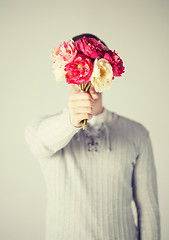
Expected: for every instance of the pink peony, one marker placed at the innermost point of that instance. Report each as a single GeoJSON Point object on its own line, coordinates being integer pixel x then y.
{"type": "Point", "coordinates": [64, 53]}
{"type": "Point", "coordinates": [79, 70]}
{"type": "Point", "coordinates": [115, 61]}
{"type": "Point", "coordinates": [91, 47]}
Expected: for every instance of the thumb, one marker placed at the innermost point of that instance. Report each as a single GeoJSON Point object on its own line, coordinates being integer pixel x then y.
{"type": "Point", "coordinates": [93, 93]}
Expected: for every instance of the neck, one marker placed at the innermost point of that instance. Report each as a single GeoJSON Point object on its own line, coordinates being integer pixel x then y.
{"type": "Point", "coordinates": [97, 106]}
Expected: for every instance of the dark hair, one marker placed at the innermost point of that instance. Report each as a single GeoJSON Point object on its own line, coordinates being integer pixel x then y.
{"type": "Point", "coordinates": [75, 38]}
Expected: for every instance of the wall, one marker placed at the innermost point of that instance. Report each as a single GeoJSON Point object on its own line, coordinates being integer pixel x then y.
{"type": "Point", "coordinates": [29, 30]}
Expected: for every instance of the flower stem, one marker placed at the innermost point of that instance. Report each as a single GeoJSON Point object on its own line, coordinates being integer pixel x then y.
{"type": "Point", "coordinates": [84, 124]}
{"type": "Point", "coordinates": [85, 87]}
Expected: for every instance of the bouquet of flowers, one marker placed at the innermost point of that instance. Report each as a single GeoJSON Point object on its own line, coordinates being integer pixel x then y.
{"type": "Point", "coordinates": [84, 62]}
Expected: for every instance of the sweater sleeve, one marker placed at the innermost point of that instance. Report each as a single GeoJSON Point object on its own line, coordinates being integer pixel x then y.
{"type": "Point", "coordinates": [47, 134]}
{"type": "Point", "coordinates": [146, 192]}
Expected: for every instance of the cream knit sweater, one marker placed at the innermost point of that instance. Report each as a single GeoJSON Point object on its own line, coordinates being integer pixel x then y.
{"type": "Point", "coordinates": [93, 177]}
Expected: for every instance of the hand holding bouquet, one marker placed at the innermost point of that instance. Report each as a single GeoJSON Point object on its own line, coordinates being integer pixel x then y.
{"type": "Point", "coordinates": [85, 62]}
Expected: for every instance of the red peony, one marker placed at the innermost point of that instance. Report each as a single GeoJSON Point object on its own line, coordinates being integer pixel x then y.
{"type": "Point", "coordinates": [91, 47]}
{"type": "Point", "coordinates": [115, 61]}
{"type": "Point", "coordinates": [79, 70]}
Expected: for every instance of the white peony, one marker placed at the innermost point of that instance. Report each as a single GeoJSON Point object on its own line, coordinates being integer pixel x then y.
{"type": "Point", "coordinates": [102, 75]}
{"type": "Point", "coordinates": [59, 72]}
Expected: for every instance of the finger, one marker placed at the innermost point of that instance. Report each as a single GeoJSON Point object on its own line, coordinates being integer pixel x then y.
{"type": "Point", "coordinates": [82, 116]}
{"type": "Point", "coordinates": [81, 103]}
{"type": "Point", "coordinates": [82, 110]}
{"type": "Point", "coordinates": [81, 96]}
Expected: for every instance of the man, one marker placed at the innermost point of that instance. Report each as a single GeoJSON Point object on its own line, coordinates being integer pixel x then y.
{"type": "Point", "coordinates": [93, 176]}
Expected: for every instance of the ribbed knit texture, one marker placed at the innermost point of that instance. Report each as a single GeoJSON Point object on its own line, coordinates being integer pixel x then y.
{"type": "Point", "coordinates": [93, 177]}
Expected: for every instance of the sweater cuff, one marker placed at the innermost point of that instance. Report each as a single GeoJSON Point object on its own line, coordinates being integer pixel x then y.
{"type": "Point", "coordinates": [69, 127]}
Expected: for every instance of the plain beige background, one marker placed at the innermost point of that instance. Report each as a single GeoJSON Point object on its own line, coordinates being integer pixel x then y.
{"type": "Point", "coordinates": [137, 30]}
